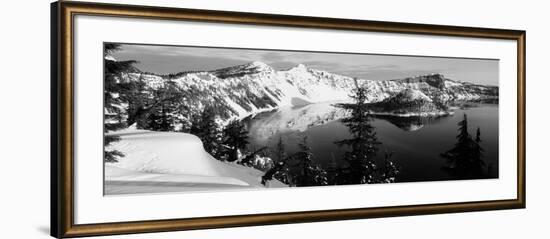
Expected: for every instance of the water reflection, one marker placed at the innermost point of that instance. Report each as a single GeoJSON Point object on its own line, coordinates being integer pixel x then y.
{"type": "Point", "coordinates": [411, 123]}
{"type": "Point", "coordinates": [416, 142]}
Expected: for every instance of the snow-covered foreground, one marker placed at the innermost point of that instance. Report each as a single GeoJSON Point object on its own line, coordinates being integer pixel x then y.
{"type": "Point", "coordinates": [157, 162]}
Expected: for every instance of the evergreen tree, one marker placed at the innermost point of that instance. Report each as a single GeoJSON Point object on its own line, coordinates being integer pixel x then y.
{"type": "Point", "coordinates": [477, 157]}
{"type": "Point", "coordinates": [297, 170]}
{"type": "Point", "coordinates": [206, 128]}
{"type": "Point", "coordinates": [389, 171]}
{"type": "Point", "coordinates": [138, 102]}
{"type": "Point", "coordinates": [280, 150]}
{"type": "Point", "coordinates": [306, 172]}
{"type": "Point", "coordinates": [279, 170]}
{"type": "Point", "coordinates": [333, 171]}
{"type": "Point", "coordinates": [159, 119]}
{"type": "Point", "coordinates": [459, 156]}
{"type": "Point", "coordinates": [282, 174]}
{"type": "Point", "coordinates": [166, 119]}
{"type": "Point", "coordinates": [235, 138]}
{"type": "Point", "coordinates": [479, 151]}
{"type": "Point", "coordinates": [161, 114]}
{"type": "Point", "coordinates": [111, 156]}
{"type": "Point", "coordinates": [158, 109]}
{"type": "Point", "coordinates": [465, 158]}
{"type": "Point", "coordinates": [361, 158]}
{"type": "Point", "coordinates": [363, 144]}
{"type": "Point", "coordinates": [115, 95]}
{"type": "Point", "coordinates": [185, 119]}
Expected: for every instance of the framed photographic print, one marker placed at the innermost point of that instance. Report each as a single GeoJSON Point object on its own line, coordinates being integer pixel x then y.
{"type": "Point", "coordinates": [170, 119]}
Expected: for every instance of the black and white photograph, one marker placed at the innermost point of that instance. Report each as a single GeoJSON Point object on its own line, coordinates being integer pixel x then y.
{"type": "Point", "coordinates": [275, 119]}
{"type": "Point", "coordinates": [200, 118]}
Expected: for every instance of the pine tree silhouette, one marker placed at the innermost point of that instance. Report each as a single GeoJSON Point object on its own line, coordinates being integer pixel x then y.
{"type": "Point", "coordinates": [206, 128]}
{"type": "Point", "coordinates": [280, 150]}
{"type": "Point", "coordinates": [138, 103]}
{"type": "Point", "coordinates": [362, 167]}
{"type": "Point", "coordinates": [465, 158]}
{"type": "Point", "coordinates": [298, 169]}
{"type": "Point", "coordinates": [477, 157]}
{"type": "Point", "coordinates": [115, 95]}
{"type": "Point", "coordinates": [306, 172]}
{"type": "Point", "coordinates": [235, 138]}
{"type": "Point", "coordinates": [279, 170]}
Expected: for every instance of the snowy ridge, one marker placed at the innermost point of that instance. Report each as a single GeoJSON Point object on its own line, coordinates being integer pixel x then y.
{"type": "Point", "coordinates": [243, 90]}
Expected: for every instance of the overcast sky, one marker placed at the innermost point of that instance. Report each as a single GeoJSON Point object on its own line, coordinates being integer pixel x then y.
{"type": "Point", "coordinates": [173, 59]}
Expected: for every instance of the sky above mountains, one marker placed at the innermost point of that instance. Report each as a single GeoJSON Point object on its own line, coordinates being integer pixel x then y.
{"type": "Point", "coordinates": [173, 59]}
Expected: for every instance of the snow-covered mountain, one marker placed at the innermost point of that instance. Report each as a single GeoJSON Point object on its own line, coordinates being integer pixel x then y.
{"type": "Point", "coordinates": [243, 90]}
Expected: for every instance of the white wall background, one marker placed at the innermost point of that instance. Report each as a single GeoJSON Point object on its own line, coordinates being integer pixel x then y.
{"type": "Point", "coordinates": [24, 97]}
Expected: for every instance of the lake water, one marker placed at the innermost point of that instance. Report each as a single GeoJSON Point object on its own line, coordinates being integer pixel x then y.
{"type": "Point", "coordinates": [416, 142]}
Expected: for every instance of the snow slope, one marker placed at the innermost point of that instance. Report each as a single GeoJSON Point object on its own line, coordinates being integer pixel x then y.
{"type": "Point", "coordinates": [171, 162]}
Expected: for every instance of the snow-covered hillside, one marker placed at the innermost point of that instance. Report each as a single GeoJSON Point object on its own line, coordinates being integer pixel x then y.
{"type": "Point", "coordinates": [239, 91]}
{"type": "Point", "coordinates": [171, 162]}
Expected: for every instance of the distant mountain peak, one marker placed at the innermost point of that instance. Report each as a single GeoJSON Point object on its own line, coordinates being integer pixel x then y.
{"type": "Point", "coordinates": [259, 65]}
{"type": "Point", "coordinates": [301, 66]}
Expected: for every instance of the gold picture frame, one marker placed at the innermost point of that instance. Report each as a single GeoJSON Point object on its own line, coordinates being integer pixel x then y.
{"type": "Point", "coordinates": [62, 128]}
